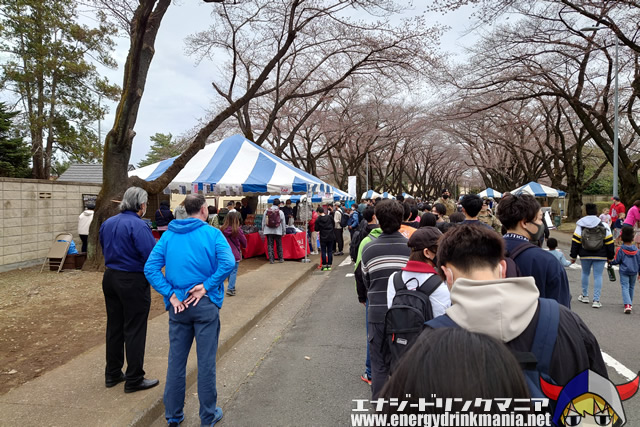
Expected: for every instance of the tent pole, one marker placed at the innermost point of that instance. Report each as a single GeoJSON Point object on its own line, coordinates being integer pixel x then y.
{"type": "Point", "coordinates": [306, 226]}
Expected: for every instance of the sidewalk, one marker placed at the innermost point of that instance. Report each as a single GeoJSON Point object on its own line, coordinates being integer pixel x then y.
{"type": "Point", "coordinates": [74, 394]}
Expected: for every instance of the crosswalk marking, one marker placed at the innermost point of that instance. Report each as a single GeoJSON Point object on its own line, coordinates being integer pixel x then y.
{"type": "Point", "coordinates": [618, 367]}
{"type": "Point", "coordinates": [346, 261]}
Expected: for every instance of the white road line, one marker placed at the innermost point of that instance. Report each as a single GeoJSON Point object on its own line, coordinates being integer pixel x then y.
{"type": "Point", "coordinates": [349, 275]}
{"type": "Point", "coordinates": [346, 261]}
{"type": "Point", "coordinates": [618, 367]}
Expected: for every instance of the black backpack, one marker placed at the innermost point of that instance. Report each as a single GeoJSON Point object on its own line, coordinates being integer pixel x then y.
{"type": "Point", "coordinates": [344, 219]}
{"type": "Point", "coordinates": [512, 267]}
{"type": "Point", "coordinates": [405, 319]}
{"type": "Point", "coordinates": [593, 238]}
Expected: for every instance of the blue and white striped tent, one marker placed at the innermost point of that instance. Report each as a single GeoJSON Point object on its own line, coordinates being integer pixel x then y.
{"type": "Point", "coordinates": [407, 196]}
{"type": "Point", "coordinates": [538, 190]}
{"type": "Point", "coordinates": [339, 195]}
{"type": "Point", "coordinates": [295, 198]}
{"type": "Point", "coordinates": [386, 195]}
{"type": "Point", "coordinates": [490, 192]}
{"type": "Point", "coordinates": [237, 166]}
{"type": "Point", "coordinates": [370, 194]}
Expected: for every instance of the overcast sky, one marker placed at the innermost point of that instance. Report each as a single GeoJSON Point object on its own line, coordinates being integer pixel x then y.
{"type": "Point", "coordinates": [178, 92]}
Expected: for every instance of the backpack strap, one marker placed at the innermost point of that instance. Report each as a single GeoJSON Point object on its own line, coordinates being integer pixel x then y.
{"type": "Point", "coordinates": [443, 321]}
{"type": "Point", "coordinates": [546, 333]}
{"type": "Point", "coordinates": [398, 283]}
{"type": "Point", "coordinates": [519, 249]}
{"type": "Point", "coordinates": [430, 285]}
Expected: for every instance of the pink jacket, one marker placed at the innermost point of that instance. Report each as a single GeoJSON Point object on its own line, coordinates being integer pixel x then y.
{"type": "Point", "coordinates": [633, 216]}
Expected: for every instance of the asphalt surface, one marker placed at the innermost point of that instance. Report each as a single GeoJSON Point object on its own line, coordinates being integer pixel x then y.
{"type": "Point", "coordinates": [301, 366]}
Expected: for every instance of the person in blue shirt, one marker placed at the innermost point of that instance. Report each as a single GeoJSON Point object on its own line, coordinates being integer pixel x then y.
{"type": "Point", "coordinates": [552, 244]}
{"type": "Point", "coordinates": [353, 222]}
{"type": "Point", "coordinates": [521, 215]}
{"type": "Point", "coordinates": [197, 259]}
{"type": "Point", "coordinates": [126, 242]}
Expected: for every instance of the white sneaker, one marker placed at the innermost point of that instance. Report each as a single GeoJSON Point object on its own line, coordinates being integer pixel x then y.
{"type": "Point", "coordinates": [583, 299]}
{"type": "Point", "coordinates": [596, 304]}
{"type": "Point", "coordinates": [314, 253]}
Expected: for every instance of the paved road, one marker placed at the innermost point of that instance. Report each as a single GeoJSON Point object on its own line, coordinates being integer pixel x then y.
{"type": "Point", "coordinates": [301, 365]}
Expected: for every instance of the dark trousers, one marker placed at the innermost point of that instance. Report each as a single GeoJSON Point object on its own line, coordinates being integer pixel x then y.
{"type": "Point", "coordinates": [84, 239]}
{"type": "Point", "coordinates": [127, 296]}
{"type": "Point", "coordinates": [379, 359]}
{"type": "Point", "coordinates": [339, 245]}
{"type": "Point", "coordinates": [326, 249]}
{"type": "Point", "coordinates": [274, 239]}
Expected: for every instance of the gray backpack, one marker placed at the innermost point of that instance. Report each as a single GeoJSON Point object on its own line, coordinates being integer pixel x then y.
{"type": "Point", "coordinates": [593, 238]}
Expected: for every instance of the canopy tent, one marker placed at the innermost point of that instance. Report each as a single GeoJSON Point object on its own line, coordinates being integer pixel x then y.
{"type": "Point", "coordinates": [386, 195]}
{"type": "Point", "coordinates": [236, 166]}
{"type": "Point", "coordinates": [407, 196]}
{"type": "Point", "coordinates": [538, 190]}
{"type": "Point", "coordinates": [339, 195]}
{"type": "Point", "coordinates": [490, 192]}
{"type": "Point", "coordinates": [370, 194]}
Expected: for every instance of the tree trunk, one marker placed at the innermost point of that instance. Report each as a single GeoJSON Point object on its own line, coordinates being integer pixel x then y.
{"type": "Point", "coordinates": [118, 142]}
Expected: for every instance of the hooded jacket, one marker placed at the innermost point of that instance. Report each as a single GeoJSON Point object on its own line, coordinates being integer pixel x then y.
{"type": "Point", "coordinates": [507, 309]}
{"type": "Point", "coordinates": [324, 227]}
{"type": "Point", "coordinates": [628, 257]}
{"type": "Point", "coordinates": [84, 221]}
{"type": "Point", "coordinates": [236, 243]}
{"type": "Point", "coordinates": [604, 253]}
{"type": "Point", "coordinates": [193, 253]}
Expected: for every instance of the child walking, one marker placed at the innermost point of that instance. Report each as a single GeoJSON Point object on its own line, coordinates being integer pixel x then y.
{"type": "Point", "coordinates": [232, 231]}
{"type": "Point", "coordinates": [605, 217]}
{"type": "Point", "coordinates": [628, 257]}
{"type": "Point", "coordinates": [552, 244]}
{"type": "Point", "coordinates": [617, 227]}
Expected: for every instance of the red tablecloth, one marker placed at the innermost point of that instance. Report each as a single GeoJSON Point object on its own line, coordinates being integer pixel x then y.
{"type": "Point", "coordinates": [293, 246]}
{"type": "Point", "coordinates": [255, 246]}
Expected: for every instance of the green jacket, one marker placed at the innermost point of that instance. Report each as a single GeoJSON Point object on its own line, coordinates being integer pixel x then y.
{"type": "Point", "coordinates": [361, 289]}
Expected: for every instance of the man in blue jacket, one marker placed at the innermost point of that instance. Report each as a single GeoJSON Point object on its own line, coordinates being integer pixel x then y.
{"type": "Point", "coordinates": [197, 259]}
{"type": "Point", "coordinates": [522, 217]}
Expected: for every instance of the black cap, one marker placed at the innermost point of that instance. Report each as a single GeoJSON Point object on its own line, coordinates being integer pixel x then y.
{"type": "Point", "coordinates": [615, 198]}
{"type": "Point", "coordinates": [424, 238]}
{"type": "Point", "coordinates": [230, 203]}
{"type": "Point", "coordinates": [445, 190]}
{"type": "Point", "coordinates": [276, 202]}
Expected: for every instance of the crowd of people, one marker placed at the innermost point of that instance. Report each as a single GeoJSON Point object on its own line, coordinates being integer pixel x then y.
{"type": "Point", "coordinates": [475, 274]}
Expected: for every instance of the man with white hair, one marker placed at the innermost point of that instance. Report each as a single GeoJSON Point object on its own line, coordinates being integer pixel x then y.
{"type": "Point", "coordinates": [126, 243]}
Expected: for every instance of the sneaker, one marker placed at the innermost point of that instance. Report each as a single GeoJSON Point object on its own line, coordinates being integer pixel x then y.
{"type": "Point", "coordinates": [314, 253]}
{"type": "Point", "coordinates": [231, 292]}
{"type": "Point", "coordinates": [329, 268]}
{"type": "Point", "coordinates": [366, 378]}
{"type": "Point", "coordinates": [583, 299]}
{"type": "Point", "coordinates": [596, 304]}
{"type": "Point", "coordinates": [280, 260]}
{"type": "Point", "coordinates": [217, 416]}
{"type": "Point", "coordinates": [271, 261]}
{"type": "Point", "coordinates": [324, 268]}
{"type": "Point", "coordinates": [627, 309]}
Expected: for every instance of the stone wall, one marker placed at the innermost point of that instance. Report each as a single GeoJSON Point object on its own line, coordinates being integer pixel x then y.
{"type": "Point", "coordinates": [33, 212]}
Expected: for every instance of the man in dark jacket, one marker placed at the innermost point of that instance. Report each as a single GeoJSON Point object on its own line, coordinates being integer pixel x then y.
{"type": "Point", "coordinates": [592, 257]}
{"type": "Point", "coordinates": [522, 217]}
{"type": "Point", "coordinates": [381, 258]}
{"type": "Point", "coordinates": [508, 309]}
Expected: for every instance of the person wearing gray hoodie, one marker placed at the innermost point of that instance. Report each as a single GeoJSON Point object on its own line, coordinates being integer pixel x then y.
{"type": "Point", "coordinates": [592, 257]}
{"type": "Point", "coordinates": [84, 222]}
{"type": "Point", "coordinates": [508, 309]}
{"type": "Point", "coordinates": [274, 229]}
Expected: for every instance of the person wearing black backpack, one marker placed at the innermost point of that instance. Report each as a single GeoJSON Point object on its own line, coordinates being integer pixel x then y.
{"type": "Point", "coordinates": [415, 295]}
{"type": "Point", "coordinates": [546, 337]}
{"type": "Point", "coordinates": [593, 242]}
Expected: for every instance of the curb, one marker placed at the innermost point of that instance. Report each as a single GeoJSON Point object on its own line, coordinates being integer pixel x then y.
{"type": "Point", "coordinates": [156, 410]}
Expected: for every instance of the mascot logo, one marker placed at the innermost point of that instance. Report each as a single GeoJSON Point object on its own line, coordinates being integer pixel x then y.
{"type": "Point", "coordinates": [589, 400]}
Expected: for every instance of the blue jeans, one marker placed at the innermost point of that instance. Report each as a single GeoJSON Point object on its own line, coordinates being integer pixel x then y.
{"type": "Point", "coordinates": [232, 277]}
{"type": "Point", "coordinates": [327, 253]}
{"type": "Point", "coordinates": [598, 268]}
{"type": "Point", "coordinates": [203, 323]}
{"type": "Point", "coordinates": [627, 282]}
{"type": "Point", "coordinates": [367, 364]}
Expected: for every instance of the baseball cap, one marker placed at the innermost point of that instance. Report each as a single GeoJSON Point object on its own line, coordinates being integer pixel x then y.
{"type": "Point", "coordinates": [424, 238]}
{"type": "Point", "coordinates": [615, 198]}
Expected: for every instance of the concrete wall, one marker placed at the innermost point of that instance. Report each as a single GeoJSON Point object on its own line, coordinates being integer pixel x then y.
{"type": "Point", "coordinates": [33, 212]}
